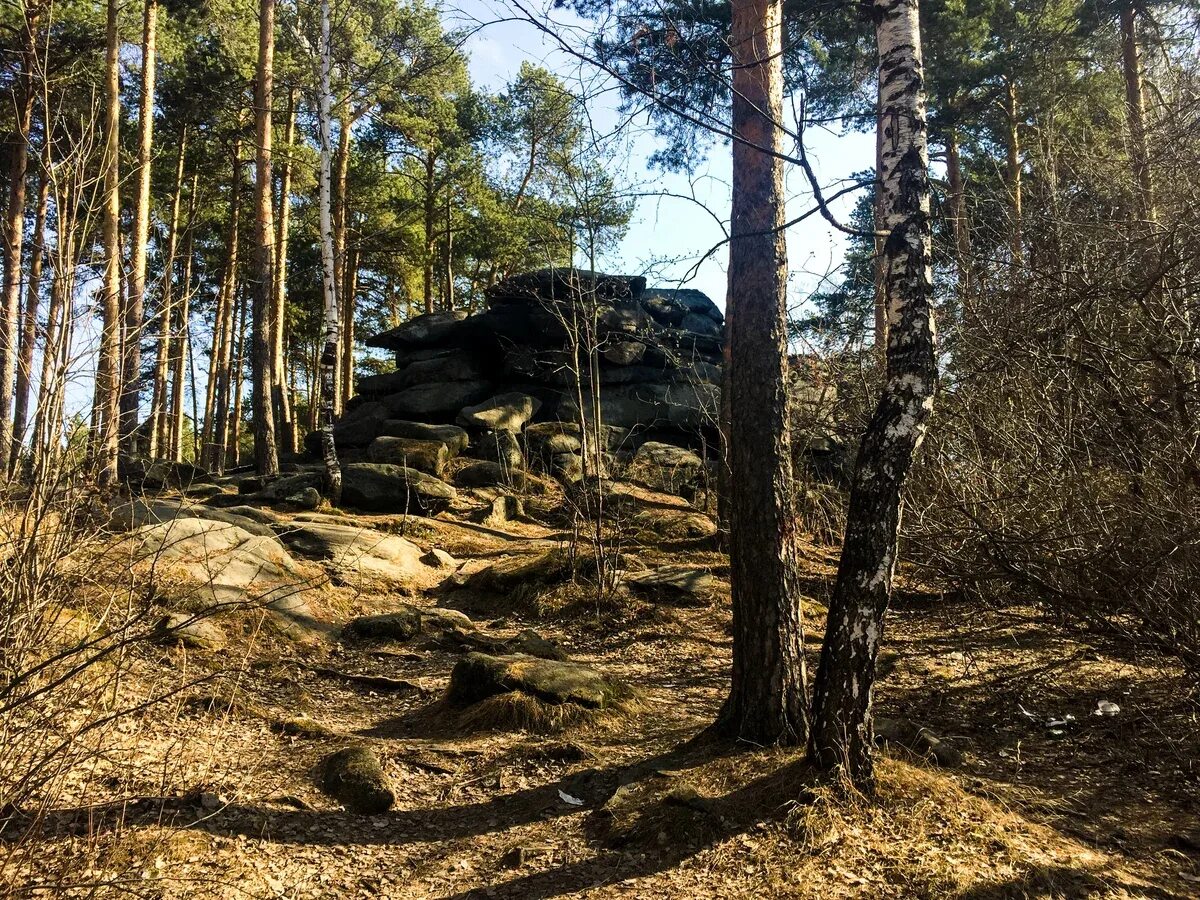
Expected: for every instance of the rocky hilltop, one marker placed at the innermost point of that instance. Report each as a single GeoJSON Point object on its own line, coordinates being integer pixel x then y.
{"type": "Point", "coordinates": [507, 385]}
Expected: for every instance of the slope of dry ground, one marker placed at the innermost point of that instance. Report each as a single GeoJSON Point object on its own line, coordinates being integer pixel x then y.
{"type": "Point", "coordinates": [213, 792]}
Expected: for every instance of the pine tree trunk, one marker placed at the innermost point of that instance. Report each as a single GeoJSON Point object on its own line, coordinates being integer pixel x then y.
{"type": "Point", "coordinates": [285, 417]}
{"type": "Point", "coordinates": [262, 357]}
{"type": "Point", "coordinates": [216, 406]}
{"type": "Point", "coordinates": [135, 301]}
{"type": "Point", "coordinates": [349, 288]}
{"type": "Point", "coordinates": [1013, 168]}
{"type": "Point", "coordinates": [430, 229]}
{"type": "Point", "coordinates": [958, 211]}
{"type": "Point", "coordinates": [237, 377]}
{"type": "Point", "coordinates": [14, 227]}
{"type": "Point", "coordinates": [29, 316]}
{"type": "Point", "coordinates": [104, 435]}
{"type": "Point", "coordinates": [842, 729]}
{"type": "Point", "coordinates": [1135, 107]}
{"type": "Point", "coordinates": [56, 348]}
{"type": "Point", "coordinates": [159, 418]}
{"type": "Point", "coordinates": [766, 703]}
{"type": "Point", "coordinates": [328, 358]}
{"type": "Point", "coordinates": [181, 345]}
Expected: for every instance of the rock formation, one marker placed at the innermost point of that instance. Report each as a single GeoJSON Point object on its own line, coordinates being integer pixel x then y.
{"type": "Point", "coordinates": [509, 385]}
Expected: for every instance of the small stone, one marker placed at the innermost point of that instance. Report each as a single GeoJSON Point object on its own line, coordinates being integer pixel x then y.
{"type": "Point", "coordinates": [439, 559]}
{"type": "Point", "coordinates": [504, 412]}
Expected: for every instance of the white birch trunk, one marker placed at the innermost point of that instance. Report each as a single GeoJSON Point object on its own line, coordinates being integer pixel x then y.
{"type": "Point", "coordinates": [332, 324]}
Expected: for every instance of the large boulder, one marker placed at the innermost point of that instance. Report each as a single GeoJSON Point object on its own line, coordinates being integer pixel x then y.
{"type": "Point", "coordinates": [382, 487]}
{"type": "Point", "coordinates": [452, 436]}
{"type": "Point", "coordinates": [505, 412]}
{"type": "Point", "coordinates": [222, 563]}
{"type": "Point", "coordinates": [665, 467]}
{"type": "Point", "coordinates": [421, 331]}
{"type": "Point", "coordinates": [355, 553]}
{"type": "Point", "coordinates": [483, 474]}
{"type": "Point", "coordinates": [501, 447]}
{"type": "Point", "coordinates": [357, 428]}
{"type": "Point", "coordinates": [424, 456]}
{"type": "Point", "coordinates": [440, 400]}
{"type": "Point", "coordinates": [545, 439]}
{"type": "Point", "coordinates": [478, 676]}
{"type": "Point", "coordinates": [447, 365]}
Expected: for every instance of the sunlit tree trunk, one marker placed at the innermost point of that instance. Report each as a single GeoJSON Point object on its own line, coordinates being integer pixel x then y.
{"type": "Point", "coordinates": [29, 315]}
{"type": "Point", "coordinates": [958, 212]}
{"type": "Point", "coordinates": [1013, 168]}
{"type": "Point", "coordinates": [349, 289]}
{"type": "Point", "coordinates": [285, 417]}
{"type": "Point", "coordinates": [842, 728]}
{"type": "Point", "coordinates": [766, 703]}
{"type": "Point", "coordinates": [159, 418]}
{"type": "Point", "coordinates": [104, 434]}
{"type": "Point", "coordinates": [181, 343]}
{"type": "Point", "coordinates": [135, 301]}
{"type": "Point", "coordinates": [1135, 107]}
{"type": "Point", "coordinates": [237, 378]}
{"type": "Point", "coordinates": [14, 224]}
{"type": "Point", "coordinates": [262, 342]}
{"type": "Point", "coordinates": [430, 229]}
{"type": "Point", "coordinates": [56, 346]}
{"type": "Point", "coordinates": [216, 406]}
{"type": "Point", "coordinates": [331, 325]}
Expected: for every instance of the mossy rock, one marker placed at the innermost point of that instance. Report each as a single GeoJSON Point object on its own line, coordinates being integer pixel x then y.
{"type": "Point", "coordinates": [354, 777]}
{"type": "Point", "coordinates": [478, 676]}
{"type": "Point", "coordinates": [406, 622]}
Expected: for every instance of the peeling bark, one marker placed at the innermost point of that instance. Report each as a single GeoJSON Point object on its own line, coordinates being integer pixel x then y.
{"type": "Point", "coordinates": [842, 728]}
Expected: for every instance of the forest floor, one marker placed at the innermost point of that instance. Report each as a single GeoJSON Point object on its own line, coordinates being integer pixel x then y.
{"type": "Point", "coordinates": [211, 797]}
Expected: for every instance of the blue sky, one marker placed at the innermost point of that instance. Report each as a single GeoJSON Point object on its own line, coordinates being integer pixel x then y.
{"type": "Point", "coordinates": [669, 236]}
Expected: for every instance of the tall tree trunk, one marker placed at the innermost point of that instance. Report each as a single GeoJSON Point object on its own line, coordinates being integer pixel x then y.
{"type": "Point", "coordinates": [341, 168]}
{"type": "Point", "coordinates": [958, 212]}
{"type": "Point", "coordinates": [766, 702]}
{"type": "Point", "coordinates": [56, 348]}
{"type": "Point", "coordinates": [135, 301]}
{"type": "Point", "coordinates": [216, 406]}
{"type": "Point", "coordinates": [349, 288]}
{"type": "Point", "coordinates": [1013, 167]}
{"type": "Point", "coordinates": [237, 377]}
{"type": "Point", "coordinates": [29, 316]}
{"type": "Point", "coordinates": [842, 728]}
{"type": "Point", "coordinates": [104, 436]}
{"type": "Point", "coordinates": [331, 326]}
{"type": "Point", "coordinates": [14, 226]}
{"type": "Point", "coordinates": [448, 260]}
{"type": "Point", "coordinates": [181, 344]}
{"type": "Point", "coordinates": [1135, 108]}
{"type": "Point", "coordinates": [159, 418]}
{"type": "Point", "coordinates": [430, 229]}
{"type": "Point", "coordinates": [285, 417]}
{"type": "Point", "coordinates": [262, 357]}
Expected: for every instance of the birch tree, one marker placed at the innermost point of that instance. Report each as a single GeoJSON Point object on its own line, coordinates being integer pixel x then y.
{"type": "Point", "coordinates": [331, 324]}
{"type": "Point", "coordinates": [842, 729]}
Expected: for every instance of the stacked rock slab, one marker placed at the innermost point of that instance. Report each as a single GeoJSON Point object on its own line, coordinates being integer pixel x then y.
{"type": "Point", "coordinates": [547, 343]}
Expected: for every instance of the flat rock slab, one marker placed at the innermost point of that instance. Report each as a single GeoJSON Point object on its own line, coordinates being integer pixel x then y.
{"type": "Point", "coordinates": [682, 582]}
{"type": "Point", "coordinates": [225, 563]}
{"type": "Point", "coordinates": [407, 622]}
{"type": "Point", "coordinates": [190, 631]}
{"type": "Point", "coordinates": [478, 676]}
{"type": "Point", "coordinates": [504, 412]}
{"type": "Point", "coordinates": [429, 457]}
{"type": "Point", "coordinates": [354, 553]}
{"type": "Point", "coordinates": [382, 487]}
{"type": "Point", "coordinates": [452, 436]}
